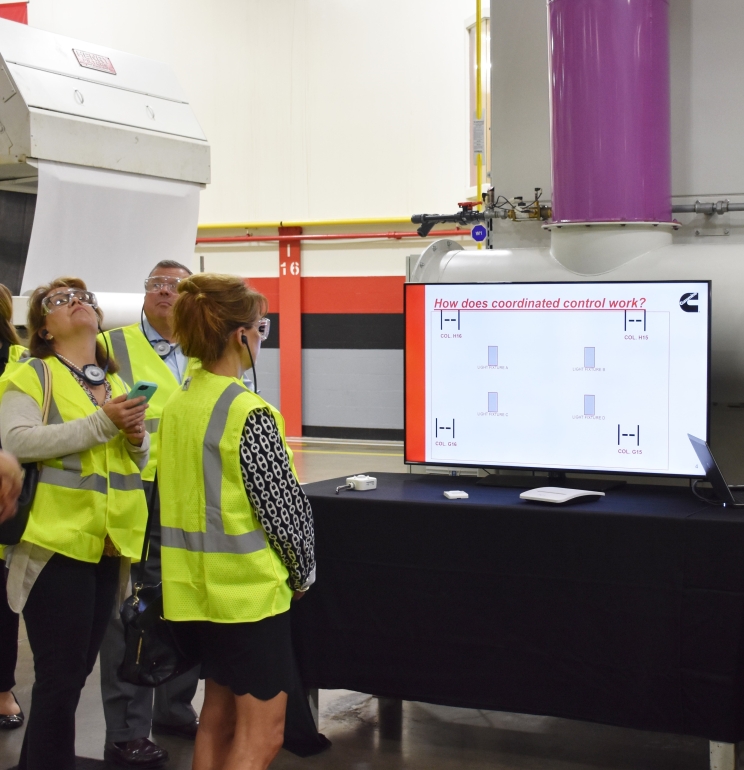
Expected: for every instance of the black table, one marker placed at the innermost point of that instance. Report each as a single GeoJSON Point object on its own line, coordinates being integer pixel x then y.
{"type": "Point", "coordinates": [627, 611]}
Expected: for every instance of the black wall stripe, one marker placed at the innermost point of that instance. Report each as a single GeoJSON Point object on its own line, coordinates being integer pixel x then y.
{"type": "Point", "coordinates": [353, 331]}
{"type": "Point", "coordinates": [273, 341]}
{"type": "Point", "coordinates": [16, 220]}
{"type": "Point", "coordinates": [371, 434]}
{"type": "Point", "coordinates": [345, 331]}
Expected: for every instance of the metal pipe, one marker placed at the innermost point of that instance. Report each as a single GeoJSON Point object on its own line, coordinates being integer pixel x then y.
{"type": "Point", "coordinates": [707, 207]}
{"type": "Point", "coordinates": [478, 99]}
{"type": "Point", "coordinates": [327, 237]}
{"type": "Point", "coordinates": [304, 223]}
{"type": "Point", "coordinates": [610, 113]}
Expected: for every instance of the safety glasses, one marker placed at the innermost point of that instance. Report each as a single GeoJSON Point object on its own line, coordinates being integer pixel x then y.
{"type": "Point", "coordinates": [263, 327]}
{"type": "Point", "coordinates": [56, 301]}
{"type": "Point", "coordinates": [160, 282]}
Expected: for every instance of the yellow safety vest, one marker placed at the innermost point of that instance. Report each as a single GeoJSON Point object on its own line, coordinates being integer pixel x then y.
{"type": "Point", "coordinates": [138, 361]}
{"type": "Point", "coordinates": [17, 352]}
{"type": "Point", "coordinates": [217, 562]}
{"type": "Point", "coordinates": [16, 356]}
{"type": "Point", "coordinates": [82, 497]}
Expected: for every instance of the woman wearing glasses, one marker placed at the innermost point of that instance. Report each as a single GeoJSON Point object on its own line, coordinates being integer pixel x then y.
{"type": "Point", "coordinates": [237, 529]}
{"type": "Point", "coordinates": [89, 511]}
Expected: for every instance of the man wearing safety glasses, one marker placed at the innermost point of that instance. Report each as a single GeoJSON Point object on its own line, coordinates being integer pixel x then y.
{"type": "Point", "coordinates": [147, 351]}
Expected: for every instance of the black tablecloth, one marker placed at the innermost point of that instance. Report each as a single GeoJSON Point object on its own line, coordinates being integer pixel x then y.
{"type": "Point", "coordinates": [627, 611]}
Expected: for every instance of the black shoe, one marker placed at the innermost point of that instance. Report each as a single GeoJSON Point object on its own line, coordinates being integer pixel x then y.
{"type": "Point", "coordinates": [141, 752]}
{"type": "Point", "coordinates": [180, 731]}
{"type": "Point", "coordinates": [12, 721]}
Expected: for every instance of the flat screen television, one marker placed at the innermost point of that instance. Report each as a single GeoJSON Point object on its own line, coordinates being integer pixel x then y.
{"type": "Point", "coordinates": [594, 377]}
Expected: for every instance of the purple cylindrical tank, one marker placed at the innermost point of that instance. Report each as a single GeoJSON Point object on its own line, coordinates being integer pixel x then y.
{"type": "Point", "coordinates": [610, 114]}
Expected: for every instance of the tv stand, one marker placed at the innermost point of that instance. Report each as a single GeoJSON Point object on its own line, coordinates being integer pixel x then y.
{"type": "Point", "coordinates": [552, 479]}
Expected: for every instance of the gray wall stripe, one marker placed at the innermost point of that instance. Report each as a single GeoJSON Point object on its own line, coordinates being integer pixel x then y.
{"type": "Point", "coordinates": [213, 542]}
{"type": "Point", "coordinates": [267, 369]}
{"type": "Point", "coordinates": [353, 388]}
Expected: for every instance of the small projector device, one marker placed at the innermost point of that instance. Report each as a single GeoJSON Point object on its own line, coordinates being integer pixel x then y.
{"type": "Point", "coordinates": [359, 483]}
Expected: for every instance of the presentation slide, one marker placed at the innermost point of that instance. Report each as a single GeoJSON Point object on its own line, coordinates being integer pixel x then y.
{"type": "Point", "coordinates": [606, 377]}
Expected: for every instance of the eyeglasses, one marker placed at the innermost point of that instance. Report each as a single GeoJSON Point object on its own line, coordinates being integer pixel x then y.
{"type": "Point", "coordinates": [160, 282]}
{"type": "Point", "coordinates": [263, 327]}
{"type": "Point", "coordinates": [56, 301]}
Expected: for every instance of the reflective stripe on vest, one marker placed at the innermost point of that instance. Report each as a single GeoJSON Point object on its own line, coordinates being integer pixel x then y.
{"type": "Point", "coordinates": [72, 479]}
{"type": "Point", "coordinates": [121, 354]}
{"type": "Point", "coordinates": [57, 477]}
{"type": "Point", "coordinates": [215, 540]}
{"type": "Point", "coordinates": [37, 365]}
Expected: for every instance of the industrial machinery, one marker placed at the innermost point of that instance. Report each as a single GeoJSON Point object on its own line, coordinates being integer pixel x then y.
{"type": "Point", "coordinates": [610, 213]}
{"type": "Point", "coordinates": [101, 164]}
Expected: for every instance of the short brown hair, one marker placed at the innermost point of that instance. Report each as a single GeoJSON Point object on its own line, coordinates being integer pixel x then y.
{"type": "Point", "coordinates": [209, 308]}
{"type": "Point", "coordinates": [42, 348]}
{"type": "Point", "coordinates": [8, 335]}
{"type": "Point", "coordinates": [170, 264]}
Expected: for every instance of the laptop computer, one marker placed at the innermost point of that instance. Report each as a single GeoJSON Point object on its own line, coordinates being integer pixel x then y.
{"type": "Point", "coordinates": [732, 497]}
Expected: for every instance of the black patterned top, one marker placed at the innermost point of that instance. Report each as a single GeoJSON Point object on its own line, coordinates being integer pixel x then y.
{"type": "Point", "coordinates": [277, 497]}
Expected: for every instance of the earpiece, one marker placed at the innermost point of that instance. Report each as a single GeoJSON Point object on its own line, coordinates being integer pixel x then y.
{"type": "Point", "coordinates": [162, 347]}
{"type": "Point", "coordinates": [244, 340]}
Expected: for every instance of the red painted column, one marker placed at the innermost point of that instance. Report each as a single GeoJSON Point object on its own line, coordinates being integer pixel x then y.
{"type": "Point", "coordinates": [290, 331]}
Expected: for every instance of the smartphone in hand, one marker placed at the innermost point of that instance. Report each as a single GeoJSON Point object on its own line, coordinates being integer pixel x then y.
{"type": "Point", "coordinates": [142, 388]}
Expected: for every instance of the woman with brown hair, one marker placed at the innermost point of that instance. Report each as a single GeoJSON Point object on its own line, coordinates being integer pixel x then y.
{"type": "Point", "coordinates": [11, 716]}
{"type": "Point", "coordinates": [11, 350]}
{"type": "Point", "coordinates": [237, 529]}
{"type": "Point", "coordinates": [88, 512]}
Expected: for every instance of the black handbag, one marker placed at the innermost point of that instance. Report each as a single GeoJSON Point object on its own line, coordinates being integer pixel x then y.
{"type": "Point", "coordinates": [11, 531]}
{"type": "Point", "coordinates": [154, 650]}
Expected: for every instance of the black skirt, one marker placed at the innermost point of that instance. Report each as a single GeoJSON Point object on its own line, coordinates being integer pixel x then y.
{"type": "Point", "coordinates": [253, 658]}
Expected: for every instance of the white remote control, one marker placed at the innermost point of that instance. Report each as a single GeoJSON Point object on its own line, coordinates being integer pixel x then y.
{"type": "Point", "coordinates": [456, 494]}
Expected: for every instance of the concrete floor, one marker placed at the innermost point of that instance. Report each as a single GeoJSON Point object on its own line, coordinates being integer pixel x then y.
{"type": "Point", "coordinates": [433, 737]}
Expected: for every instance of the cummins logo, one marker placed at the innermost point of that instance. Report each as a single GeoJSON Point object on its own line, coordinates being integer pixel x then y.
{"type": "Point", "coordinates": [688, 302]}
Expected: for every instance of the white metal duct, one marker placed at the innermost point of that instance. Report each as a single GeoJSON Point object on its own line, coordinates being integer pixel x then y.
{"type": "Point", "coordinates": [74, 102]}
{"type": "Point", "coordinates": [113, 151]}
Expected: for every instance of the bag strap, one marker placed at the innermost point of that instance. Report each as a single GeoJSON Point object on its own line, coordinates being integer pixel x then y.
{"type": "Point", "coordinates": [46, 387]}
{"type": "Point", "coordinates": [146, 542]}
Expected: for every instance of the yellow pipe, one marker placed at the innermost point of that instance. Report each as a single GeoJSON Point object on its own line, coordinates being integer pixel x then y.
{"type": "Point", "coordinates": [304, 223]}
{"type": "Point", "coordinates": [478, 99]}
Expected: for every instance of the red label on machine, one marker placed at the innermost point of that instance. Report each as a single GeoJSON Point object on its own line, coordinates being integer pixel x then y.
{"type": "Point", "coordinates": [94, 61]}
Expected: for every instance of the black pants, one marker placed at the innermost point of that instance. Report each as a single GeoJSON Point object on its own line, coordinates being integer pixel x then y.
{"type": "Point", "coordinates": [8, 638]}
{"type": "Point", "coordinates": [131, 710]}
{"type": "Point", "coordinates": [66, 616]}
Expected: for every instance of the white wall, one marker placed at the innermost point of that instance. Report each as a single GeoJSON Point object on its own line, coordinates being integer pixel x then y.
{"type": "Point", "coordinates": [315, 109]}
